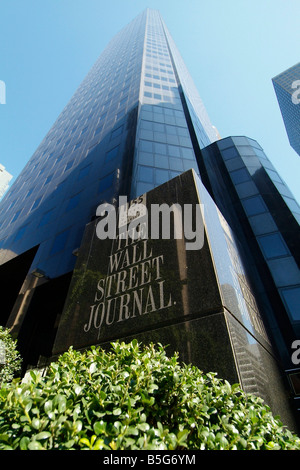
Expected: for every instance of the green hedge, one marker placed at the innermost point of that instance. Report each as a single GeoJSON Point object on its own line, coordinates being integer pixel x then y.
{"type": "Point", "coordinates": [134, 397]}
{"type": "Point", "coordinates": [10, 359]}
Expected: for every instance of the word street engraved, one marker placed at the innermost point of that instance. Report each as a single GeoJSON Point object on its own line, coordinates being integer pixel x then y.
{"type": "Point", "coordinates": [134, 284]}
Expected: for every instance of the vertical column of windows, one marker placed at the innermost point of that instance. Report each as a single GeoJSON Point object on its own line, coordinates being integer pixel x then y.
{"type": "Point", "coordinates": [163, 144]}
{"type": "Point", "coordinates": [241, 160]}
{"type": "Point", "coordinates": [96, 115]}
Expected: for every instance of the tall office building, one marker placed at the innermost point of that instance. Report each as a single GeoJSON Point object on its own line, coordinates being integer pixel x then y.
{"type": "Point", "coordinates": [287, 89]}
{"type": "Point", "coordinates": [5, 178]}
{"type": "Point", "coordinates": [134, 123]}
{"type": "Point", "coordinates": [123, 132]}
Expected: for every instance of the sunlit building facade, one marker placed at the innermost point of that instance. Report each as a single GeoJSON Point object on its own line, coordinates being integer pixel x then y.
{"type": "Point", "coordinates": [287, 89]}
{"type": "Point", "coordinates": [122, 133]}
{"type": "Point", "coordinates": [265, 215]}
{"type": "Point", "coordinates": [135, 122]}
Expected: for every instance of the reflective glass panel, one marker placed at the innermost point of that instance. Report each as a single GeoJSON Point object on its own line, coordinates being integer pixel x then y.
{"type": "Point", "coordinates": [272, 245]}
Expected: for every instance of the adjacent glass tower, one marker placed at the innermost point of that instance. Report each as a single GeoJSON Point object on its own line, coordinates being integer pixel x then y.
{"type": "Point", "coordinates": [287, 89]}
{"type": "Point", "coordinates": [135, 122]}
{"type": "Point", "coordinates": [265, 215]}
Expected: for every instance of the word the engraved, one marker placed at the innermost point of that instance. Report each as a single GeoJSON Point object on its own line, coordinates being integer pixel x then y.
{"type": "Point", "coordinates": [165, 221]}
{"type": "Point", "coordinates": [134, 285]}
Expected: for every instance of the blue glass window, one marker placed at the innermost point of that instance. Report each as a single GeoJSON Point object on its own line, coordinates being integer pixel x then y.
{"type": "Point", "coordinates": [292, 300]}
{"type": "Point", "coordinates": [16, 216]}
{"type": "Point", "coordinates": [123, 101]}
{"type": "Point", "coordinates": [146, 146]}
{"type": "Point", "coordinates": [246, 189]}
{"type": "Point", "coordinates": [176, 164]}
{"type": "Point", "coordinates": [12, 204]}
{"type": "Point", "coordinates": [240, 176]}
{"type": "Point", "coordinates": [46, 218]}
{"type": "Point", "coordinates": [292, 203]}
{"type": "Point", "coordinates": [158, 127]}
{"type": "Point", "coordinates": [112, 153]}
{"type": "Point", "coordinates": [69, 165]}
{"type": "Point", "coordinates": [106, 182]}
{"type": "Point", "coordinates": [240, 140]}
{"type": "Point", "coordinates": [160, 148]}
{"type": "Point", "coordinates": [146, 174]}
{"type": "Point", "coordinates": [272, 245]}
{"type": "Point", "coordinates": [254, 205]}
{"type": "Point", "coordinates": [117, 132]}
{"type": "Point", "coordinates": [148, 125]}
{"type": "Point", "coordinates": [84, 172]}
{"type": "Point", "coordinates": [48, 179]}
{"type": "Point", "coordinates": [174, 151]}
{"type": "Point", "coordinates": [73, 202]}
{"type": "Point", "coordinates": [60, 242]}
{"type": "Point", "coordinates": [161, 176]}
{"type": "Point", "coordinates": [171, 130]}
{"type": "Point", "coordinates": [187, 153]}
{"type": "Point", "coordinates": [36, 204]}
{"type": "Point", "coordinates": [161, 161]}
{"type": "Point", "coordinates": [60, 187]}
{"type": "Point", "coordinates": [174, 174]}
{"type": "Point", "coordinates": [20, 233]}
{"type": "Point", "coordinates": [77, 145]}
{"type": "Point", "coordinates": [98, 130]}
{"type": "Point", "coordinates": [29, 192]}
{"type": "Point", "coordinates": [120, 114]}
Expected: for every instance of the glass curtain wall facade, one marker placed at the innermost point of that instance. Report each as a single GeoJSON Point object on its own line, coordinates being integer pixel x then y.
{"type": "Point", "coordinates": [95, 150]}
{"type": "Point", "coordinates": [287, 89]}
{"type": "Point", "coordinates": [135, 122]}
{"type": "Point", "coordinates": [80, 162]}
{"type": "Point", "coordinates": [265, 215]}
{"type": "Point", "coordinates": [164, 147]}
{"type": "Point", "coordinates": [123, 132]}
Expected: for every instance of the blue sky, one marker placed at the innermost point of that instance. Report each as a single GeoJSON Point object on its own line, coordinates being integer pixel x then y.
{"type": "Point", "coordinates": [232, 49]}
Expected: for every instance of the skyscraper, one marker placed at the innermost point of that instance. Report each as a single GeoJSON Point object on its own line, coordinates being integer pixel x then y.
{"type": "Point", "coordinates": [123, 132]}
{"type": "Point", "coordinates": [287, 89]}
{"type": "Point", "coordinates": [134, 123]}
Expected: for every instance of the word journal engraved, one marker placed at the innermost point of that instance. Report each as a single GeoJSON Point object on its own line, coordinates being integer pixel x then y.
{"type": "Point", "coordinates": [134, 285]}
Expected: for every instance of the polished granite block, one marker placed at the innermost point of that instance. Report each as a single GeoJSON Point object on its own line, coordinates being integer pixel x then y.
{"type": "Point", "coordinates": [127, 285]}
{"type": "Point", "coordinates": [187, 289]}
{"type": "Point", "coordinates": [183, 266]}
